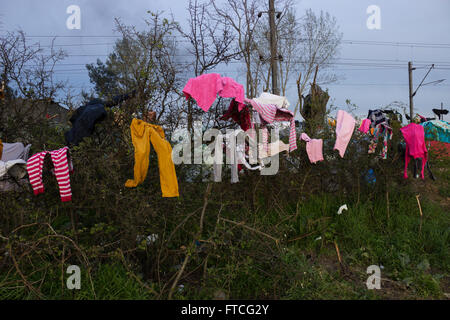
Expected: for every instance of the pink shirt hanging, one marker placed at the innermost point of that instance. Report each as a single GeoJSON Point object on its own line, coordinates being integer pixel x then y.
{"type": "Point", "coordinates": [414, 135]}
{"type": "Point", "coordinates": [205, 88]}
{"type": "Point", "coordinates": [345, 124]}
{"type": "Point", "coordinates": [313, 148]}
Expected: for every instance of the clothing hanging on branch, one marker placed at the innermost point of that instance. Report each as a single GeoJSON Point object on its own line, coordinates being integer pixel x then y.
{"type": "Point", "coordinates": [345, 124]}
{"type": "Point", "coordinates": [385, 131]}
{"type": "Point", "coordinates": [415, 146]}
{"type": "Point", "coordinates": [205, 88]}
{"type": "Point", "coordinates": [60, 161]}
{"type": "Point", "coordinates": [313, 148]}
{"type": "Point", "coordinates": [241, 117]}
{"type": "Point", "coordinates": [437, 130]}
{"type": "Point", "coordinates": [235, 154]}
{"type": "Point", "coordinates": [269, 98]}
{"type": "Point", "coordinates": [376, 117]}
{"type": "Point", "coordinates": [365, 126]}
{"type": "Point", "coordinates": [271, 113]}
{"type": "Point", "coordinates": [86, 117]}
{"type": "Point", "coordinates": [142, 134]}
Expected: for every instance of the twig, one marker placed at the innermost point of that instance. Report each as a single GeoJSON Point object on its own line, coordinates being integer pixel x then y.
{"type": "Point", "coordinates": [421, 213]}
{"type": "Point", "coordinates": [338, 254]}
{"type": "Point", "coordinates": [192, 246]}
{"type": "Point", "coordinates": [387, 204]}
{"type": "Point", "coordinates": [242, 224]}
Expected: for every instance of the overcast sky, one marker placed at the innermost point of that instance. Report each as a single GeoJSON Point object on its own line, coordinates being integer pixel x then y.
{"type": "Point", "coordinates": [424, 24]}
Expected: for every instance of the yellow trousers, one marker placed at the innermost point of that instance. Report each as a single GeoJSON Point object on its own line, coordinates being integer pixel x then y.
{"type": "Point", "coordinates": [142, 133]}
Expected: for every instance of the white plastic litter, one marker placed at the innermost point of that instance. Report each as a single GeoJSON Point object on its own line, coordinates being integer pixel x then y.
{"type": "Point", "coordinates": [342, 208]}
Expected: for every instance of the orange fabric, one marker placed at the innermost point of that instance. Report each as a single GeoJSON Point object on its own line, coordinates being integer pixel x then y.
{"type": "Point", "coordinates": [1, 149]}
{"type": "Point", "coordinates": [142, 133]}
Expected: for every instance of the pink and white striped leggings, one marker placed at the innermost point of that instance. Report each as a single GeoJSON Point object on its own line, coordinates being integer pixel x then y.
{"type": "Point", "coordinates": [59, 158]}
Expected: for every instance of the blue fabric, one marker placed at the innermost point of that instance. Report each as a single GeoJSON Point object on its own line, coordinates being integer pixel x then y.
{"type": "Point", "coordinates": [437, 130]}
{"type": "Point", "coordinates": [83, 122]}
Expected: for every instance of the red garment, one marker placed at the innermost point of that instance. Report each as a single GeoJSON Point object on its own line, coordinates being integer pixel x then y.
{"type": "Point", "coordinates": [414, 135]}
{"type": "Point", "coordinates": [240, 117]}
{"type": "Point", "coordinates": [205, 88]}
{"type": "Point", "coordinates": [59, 158]}
{"type": "Point", "coordinates": [441, 149]}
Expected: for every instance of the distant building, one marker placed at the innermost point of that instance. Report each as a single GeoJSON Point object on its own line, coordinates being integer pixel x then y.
{"type": "Point", "coordinates": [38, 109]}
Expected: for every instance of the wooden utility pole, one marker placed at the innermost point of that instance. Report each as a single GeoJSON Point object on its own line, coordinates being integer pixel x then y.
{"type": "Point", "coordinates": [273, 47]}
{"type": "Point", "coordinates": [411, 103]}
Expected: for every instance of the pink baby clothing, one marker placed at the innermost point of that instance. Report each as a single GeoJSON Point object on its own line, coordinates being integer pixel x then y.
{"type": "Point", "coordinates": [35, 165]}
{"type": "Point", "coordinates": [365, 126]}
{"type": "Point", "coordinates": [205, 88]}
{"type": "Point", "coordinates": [231, 89]}
{"type": "Point", "coordinates": [313, 148]}
{"type": "Point", "coordinates": [414, 135]}
{"type": "Point", "coordinates": [345, 124]}
{"type": "Point", "coordinates": [270, 113]}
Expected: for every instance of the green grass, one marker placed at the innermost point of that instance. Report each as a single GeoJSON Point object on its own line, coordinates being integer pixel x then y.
{"type": "Point", "coordinates": [415, 259]}
{"type": "Point", "coordinates": [247, 265]}
{"type": "Point", "coordinates": [109, 282]}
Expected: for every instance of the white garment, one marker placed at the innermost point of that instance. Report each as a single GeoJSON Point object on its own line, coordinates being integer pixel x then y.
{"type": "Point", "coordinates": [236, 158]}
{"type": "Point", "coordinates": [269, 98]}
{"type": "Point", "coordinates": [6, 166]}
{"type": "Point", "coordinates": [273, 148]}
{"type": "Point", "coordinates": [13, 151]}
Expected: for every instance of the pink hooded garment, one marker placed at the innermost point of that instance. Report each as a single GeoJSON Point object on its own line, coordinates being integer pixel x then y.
{"type": "Point", "coordinates": [414, 135]}
{"type": "Point", "coordinates": [205, 88]}
{"type": "Point", "coordinates": [345, 124]}
{"type": "Point", "coordinates": [313, 148]}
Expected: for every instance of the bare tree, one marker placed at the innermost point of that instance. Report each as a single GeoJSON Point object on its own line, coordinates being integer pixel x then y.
{"type": "Point", "coordinates": [27, 68]}
{"type": "Point", "coordinates": [210, 44]}
{"type": "Point", "coordinates": [243, 16]}
{"type": "Point", "coordinates": [27, 71]}
{"type": "Point", "coordinates": [319, 40]}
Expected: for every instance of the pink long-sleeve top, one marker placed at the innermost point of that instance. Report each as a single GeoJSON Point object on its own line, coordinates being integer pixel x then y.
{"type": "Point", "coordinates": [414, 135]}
{"type": "Point", "coordinates": [345, 124]}
{"type": "Point", "coordinates": [205, 88]}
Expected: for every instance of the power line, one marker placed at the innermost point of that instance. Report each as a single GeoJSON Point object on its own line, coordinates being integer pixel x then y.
{"type": "Point", "coordinates": [304, 39]}
{"type": "Point", "coordinates": [346, 41]}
